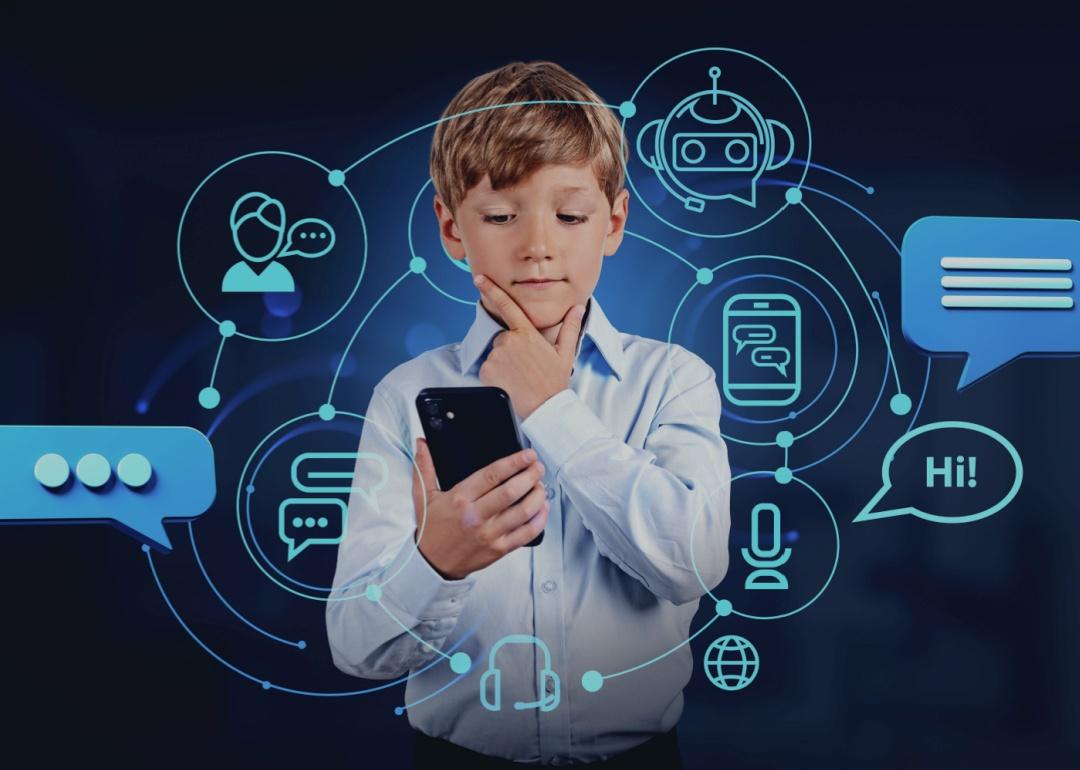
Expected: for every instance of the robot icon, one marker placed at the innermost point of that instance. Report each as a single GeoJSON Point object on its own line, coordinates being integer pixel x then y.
{"type": "Point", "coordinates": [713, 145]}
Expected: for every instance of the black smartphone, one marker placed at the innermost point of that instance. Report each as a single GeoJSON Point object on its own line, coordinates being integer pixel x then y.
{"type": "Point", "coordinates": [466, 429]}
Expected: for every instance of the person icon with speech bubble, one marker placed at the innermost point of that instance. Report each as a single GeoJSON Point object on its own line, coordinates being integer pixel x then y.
{"type": "Point", "coordinates": [257, 222]}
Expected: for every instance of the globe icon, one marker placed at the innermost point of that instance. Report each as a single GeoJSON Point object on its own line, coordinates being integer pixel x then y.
{"type": "Point", "coordinates": [731, 662]}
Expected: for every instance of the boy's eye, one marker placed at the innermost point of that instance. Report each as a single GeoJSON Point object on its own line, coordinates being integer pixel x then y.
{"type": "Point", "coordinates": [498, 219]}
{"type": "Point", "coordinates": [572, 218]}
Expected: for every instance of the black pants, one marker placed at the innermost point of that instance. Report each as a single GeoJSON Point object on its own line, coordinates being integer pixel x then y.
{"type": "Point", "coordinates": [660, 751]}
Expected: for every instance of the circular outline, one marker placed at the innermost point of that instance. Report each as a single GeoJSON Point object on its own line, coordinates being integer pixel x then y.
{"type": "Point", "coordinates": [812, 599]}
{"type": "Point", "coordinates": [851, 319]}
{"type": "Point", "coordinates": [180, 256]}
{"type": "Point", "coordinates": [832, 328]}
{"type": "Point", "coordinates": [623, 153]}
{"type": "Point", "coordinates": [240, 487]}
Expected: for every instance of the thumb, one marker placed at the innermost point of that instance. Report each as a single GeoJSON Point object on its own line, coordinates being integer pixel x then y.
{"type": "Point", "coordinates": [566, 342]}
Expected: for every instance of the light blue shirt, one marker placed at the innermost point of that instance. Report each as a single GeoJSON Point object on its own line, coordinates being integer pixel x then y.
{"type": "Point", "coordinates": [633, 453]}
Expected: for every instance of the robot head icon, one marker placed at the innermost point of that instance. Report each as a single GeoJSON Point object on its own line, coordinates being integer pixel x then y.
{"type": "Point", "coordinates": [548, 683]}
{"type": "Point", "coordinates": [713, 145]}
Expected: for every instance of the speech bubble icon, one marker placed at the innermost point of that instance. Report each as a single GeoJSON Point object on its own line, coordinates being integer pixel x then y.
{"type": "Point", "coordinates": [991, 289]}
{"type": "Point", "coordinates": [752, 334]}
{"type": "Point", "coordinates": [135, 478]}
{"type": "Point", "coordinates": [776, 357]}
{"type": "Point", "coordinates": [963, 470]}
{"type": "Point", "coordinates": [304, 521]}
{"type": "Point", "coordinates": [310, 238]}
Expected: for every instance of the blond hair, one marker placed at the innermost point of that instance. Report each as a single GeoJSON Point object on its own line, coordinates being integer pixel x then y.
{"type": "Point", "coordinates": [509, 143]}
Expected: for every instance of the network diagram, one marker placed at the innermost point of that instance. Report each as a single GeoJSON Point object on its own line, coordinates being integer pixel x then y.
{"type": "Point", "coordinates": [729, 158]}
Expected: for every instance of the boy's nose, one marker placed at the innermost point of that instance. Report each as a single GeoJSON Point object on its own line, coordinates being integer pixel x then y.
{"type": "Point", "coordinates": [538, 242]}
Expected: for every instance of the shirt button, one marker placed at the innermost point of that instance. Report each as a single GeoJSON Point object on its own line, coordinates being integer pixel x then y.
{"type": "Point", "coordinates": [548, 586]}
{"type": "Point", "coordinates": [549, 493]}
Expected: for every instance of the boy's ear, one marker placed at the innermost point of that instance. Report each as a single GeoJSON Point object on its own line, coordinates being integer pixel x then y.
{"type": "Point", "coordinates": [448, 230]}
{"type": "Point", "coordinates": [617, 224]}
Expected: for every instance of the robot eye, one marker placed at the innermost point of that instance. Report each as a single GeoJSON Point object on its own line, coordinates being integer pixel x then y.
{"type": "Point", "coordinates": [693, 151]}
{"type": "Point", "coordinates": [737, 151]}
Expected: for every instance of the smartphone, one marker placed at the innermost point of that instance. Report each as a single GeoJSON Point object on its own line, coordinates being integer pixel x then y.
{"type": "Point", "coordinates": [467, 429]}
{"type": "Point", "coordinates": [762, 349]}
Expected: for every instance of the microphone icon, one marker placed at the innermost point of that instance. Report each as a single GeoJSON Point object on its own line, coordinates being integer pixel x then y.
{"type": "Point", "coordinates": [765, 576]}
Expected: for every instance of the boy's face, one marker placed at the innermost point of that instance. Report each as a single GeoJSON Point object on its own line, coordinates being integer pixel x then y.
{"type": "Point", "coordinates": [555, 225]}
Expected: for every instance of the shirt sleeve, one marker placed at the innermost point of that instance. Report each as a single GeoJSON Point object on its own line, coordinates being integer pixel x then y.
{"type": "Point", "coordinates": [369, 630]}
{"type": "Point", "coordinates": [642, 504]}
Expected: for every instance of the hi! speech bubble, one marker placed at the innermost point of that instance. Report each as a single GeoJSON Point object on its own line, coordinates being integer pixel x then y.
{"type": "Point", "coordinates": [965, 470]}
{"type": "Point", "coordinates": [310, 238]}
{"type": "Point", "coordinates": [135, 478]}
{"type": "Point", "coordinates": [991, 289]}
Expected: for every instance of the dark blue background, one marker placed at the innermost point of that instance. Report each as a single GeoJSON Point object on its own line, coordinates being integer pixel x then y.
{"type": "Point", "coordinates": [934, 646]}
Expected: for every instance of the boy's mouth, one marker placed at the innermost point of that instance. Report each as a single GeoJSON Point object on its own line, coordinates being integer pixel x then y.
{"type": "Point", "coordinates": [538, 283]}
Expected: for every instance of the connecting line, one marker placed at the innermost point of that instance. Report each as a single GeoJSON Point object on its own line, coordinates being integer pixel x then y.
{"type": "Point", "coordinates": [858, 278]}
{"type": "Point", "coordinates": [662, 655]}
{"type": "Point", "coordinates": [445, 293]}
{"type": "Point", "coordinates": [267, 685]}
{"type": "Point", "coordinates": [418, 129]}
{"type": "Point", "coordinates": [834, 172]}
{"type": "Point", "coordinates": [195, 549]}
{"type": "Point", "coordinates": [926, 383]}
{"type": "Point", "coordinates": [217, 359]}
{"type": "Point", "coordinates": [664, 248]}
{"type": "Point", "coordinates": [410, 632]}
{"type": "Point", "coordinates": [337, 372]}
{"type": "Point", "coordinates": [888, 339]}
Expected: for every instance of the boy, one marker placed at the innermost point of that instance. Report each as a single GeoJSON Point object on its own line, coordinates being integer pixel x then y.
{"type": "Point", "coordinates": [623, 451]}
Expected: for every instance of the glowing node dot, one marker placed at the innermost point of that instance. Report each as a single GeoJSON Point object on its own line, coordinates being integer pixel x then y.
{"type": "Point", "coordinates": [418, 264]}
{"type": "Point", "coordinates": [145, 548]}
{"type": "Point", "coordinates": [900, 404]}
{"type": "Point", "coordinates": [783, 475]}
{"type": "Point", "coordinates": [251, 489]}
{"type": "Point", "coordinates": [793, 196]}
{"type": "Point", "coordinates": [792, 415]}
{"type": "Point", "coordinates": [592, 681]}
{"type": "Point", "coordinates": [628, 109]}
{"type": "Point", "coordinates": [373, 592]}
{"type": "Point", "coordinates": [784, 439]}
{"type": "Point", "coordinates": [209, 398]}
{"type": "Point", "coordinates": [875, 294]}
{"type": "Point", "coordinates": [869, 190]}
{"type": "Point", "coordinates": [336, 178]}
{"type": "Point", "coordinates": [301, 645]}
{"type": "Point", "coordinates": [266, 685]}
{"type": "Point", "coordinates": [327, 412]}
{"type": "Point", "coordinates": [723, 608]}
{"type": "Point", "coordinates": [704, 276]}
{"type": "Point", "coordinates": [460, 662]}
{"type": "Point", "coordinates": [398, 711]}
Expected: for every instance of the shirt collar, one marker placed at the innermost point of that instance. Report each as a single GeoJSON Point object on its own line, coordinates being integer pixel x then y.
{"type": "Point", "coordinates": [598, 330]}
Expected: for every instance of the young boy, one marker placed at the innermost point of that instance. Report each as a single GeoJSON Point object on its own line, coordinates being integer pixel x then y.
{"type": "Point", "coordinates": [623, 453]}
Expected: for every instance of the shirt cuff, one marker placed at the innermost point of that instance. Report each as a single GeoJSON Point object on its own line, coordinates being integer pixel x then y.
{"type": "Point", "coordinates": [416, 590]}
{"type": "Point", "coordinates": [560, 426]}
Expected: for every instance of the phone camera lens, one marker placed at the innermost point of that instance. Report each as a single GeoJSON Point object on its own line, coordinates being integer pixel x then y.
{"type": "Point", "coordinates": [432, 407]}
{"type": "Point", "coordinates": [436, 423]}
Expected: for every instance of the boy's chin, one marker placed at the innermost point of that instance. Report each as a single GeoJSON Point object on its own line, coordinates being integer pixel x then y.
{"type": "Point", "coordinates": [545, 314]}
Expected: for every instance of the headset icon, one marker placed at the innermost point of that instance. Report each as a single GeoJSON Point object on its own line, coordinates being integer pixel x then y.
{"type": "Point", "coordinates": [548, 700]}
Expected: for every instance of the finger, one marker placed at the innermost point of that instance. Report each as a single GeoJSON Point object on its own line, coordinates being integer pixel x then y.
{"type": "Point", "coordinates": [510, 491]}
{"type": "Point", "coordinates": [520, 512]}
{"type": "Point", "coordinates": [426, 467]}
{"type": "Point", "coordinates": [527, 532]}
{"type": "Point", "coordinates": [510, 311]}
{"type": "Point", "coordinates": [566, 342]}
{"type": "Point", "coordinates": [490, 476]}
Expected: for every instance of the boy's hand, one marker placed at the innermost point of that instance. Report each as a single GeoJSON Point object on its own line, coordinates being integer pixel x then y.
{"type": "Point", "coordinates": [521, 361]}
{"type": "Point", "coordinates": [496, 510]}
